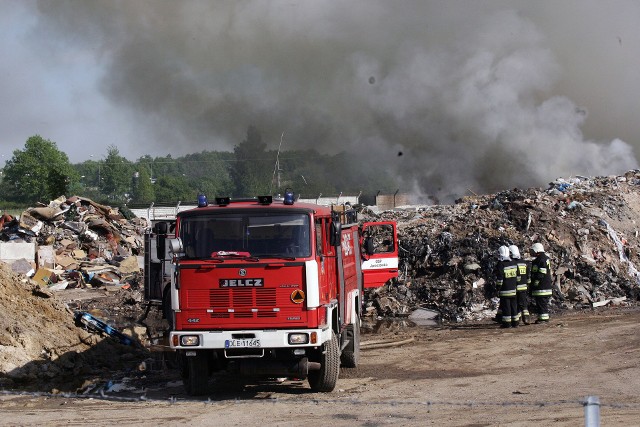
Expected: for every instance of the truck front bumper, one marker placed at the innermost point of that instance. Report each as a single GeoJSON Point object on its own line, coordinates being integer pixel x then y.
{"type": "Point", "coordinates": [248, 339]}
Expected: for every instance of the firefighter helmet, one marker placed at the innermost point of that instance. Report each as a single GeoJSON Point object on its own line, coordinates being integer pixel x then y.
{"type": "Point", "coordinates": [503, 253]}
{"type": "Point", "coordinates": [537, 248]}
{"type": "Point", "coordinates": [515, 252]}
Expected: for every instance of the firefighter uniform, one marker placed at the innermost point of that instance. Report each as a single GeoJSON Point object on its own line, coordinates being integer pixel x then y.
{"type": "Point", "coordinates": [524, 281]}
{"type": "Point", "coordinates": [524, 270]}
{"type": "Point", "coordinates": [541, 284]}
{"type": "Point", "coordinates": [506, 283]}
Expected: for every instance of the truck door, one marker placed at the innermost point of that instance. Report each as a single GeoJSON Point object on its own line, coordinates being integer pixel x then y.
{"type": "Point", "coordinates": [157, 265]}
{"type": "Point", "coordinates": [379, 253]}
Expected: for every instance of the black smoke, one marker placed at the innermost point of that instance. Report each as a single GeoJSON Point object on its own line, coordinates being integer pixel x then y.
{"type": "Point", "coordinates": [468, 92]}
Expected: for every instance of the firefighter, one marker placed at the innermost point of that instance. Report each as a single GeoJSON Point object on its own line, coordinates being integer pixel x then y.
{"type": "Point", "coordinates": [524, 279]}
{"type": "Point", "coordinates": [507, 280]}
{"type": "Point", "coordinates": [541, 281]}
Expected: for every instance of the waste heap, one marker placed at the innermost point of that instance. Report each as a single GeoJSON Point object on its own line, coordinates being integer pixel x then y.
{"type": "Point", "coordinates": [76, 243]}
{"type": "Point", "coordinates": [588, 227]}
{"type": "Point", "coordinates": [46, 251]}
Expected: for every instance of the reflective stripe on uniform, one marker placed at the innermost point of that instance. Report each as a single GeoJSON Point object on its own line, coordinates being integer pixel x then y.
{"type": "Point", "coordinates": [542, 293]}
{"type": "Point", "coordinates": [522, 287]}
{"type": "Point", "coordinates": [511, 293]}
{"type": "Point", "coordinates": [543, 316]}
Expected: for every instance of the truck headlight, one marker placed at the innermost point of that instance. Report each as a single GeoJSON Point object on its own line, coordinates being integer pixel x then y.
{"type": "Point", "coordinates": [189, 340]}
{"type": "Point", "coordinates": [298, 338]}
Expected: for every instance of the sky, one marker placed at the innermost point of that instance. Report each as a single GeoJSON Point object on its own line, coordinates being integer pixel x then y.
{"type": "Point", "coordinates": [451, 96]}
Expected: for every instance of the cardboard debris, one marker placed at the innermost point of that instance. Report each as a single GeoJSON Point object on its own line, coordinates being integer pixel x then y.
{"type": "Point", "coordinates": [44, 277]}
{"type": "Point", "coordinates": [79, 254]}
{"type": "Point", "coordinates": [129, 265]}
{"type": "Point", "coordinates": [67, 262]}
{"type": "Point", "coordinates": [28, 222]}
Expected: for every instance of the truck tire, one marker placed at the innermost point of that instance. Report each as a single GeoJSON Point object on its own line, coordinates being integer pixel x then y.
{"type": "Point", "coordinates": [326, 378]}
{"type": "Point", "coordinates": [351, 353]}
{"type": "Point", "coordinates": [195, 374]}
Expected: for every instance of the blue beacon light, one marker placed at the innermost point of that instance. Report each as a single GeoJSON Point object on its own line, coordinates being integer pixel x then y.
{"type": "Point", "coordinates": [288, 196]}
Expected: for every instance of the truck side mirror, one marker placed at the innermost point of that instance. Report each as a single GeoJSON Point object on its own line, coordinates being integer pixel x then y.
{"type": "Point", "coordinates": [176, 247]}
{"type": "Point", "coordinates": [336, 232]}
{"type": "Point", "coordinates": [161, 239]}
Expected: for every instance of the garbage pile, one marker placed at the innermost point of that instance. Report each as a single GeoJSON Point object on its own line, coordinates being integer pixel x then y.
{"type": "Point", "coordinates": [71, 243]}
{"type": "Point", "coordinates": [588, 226]}
{"type": "Point", "coordinates": [75, 243]}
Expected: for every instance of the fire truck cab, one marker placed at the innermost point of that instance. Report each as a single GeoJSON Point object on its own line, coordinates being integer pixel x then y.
{"type": "Point", "coordinates": [266, 287]}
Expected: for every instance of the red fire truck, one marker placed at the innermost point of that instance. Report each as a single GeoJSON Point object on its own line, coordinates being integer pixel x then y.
{"type": "Point", "coordinates": [266, 287]}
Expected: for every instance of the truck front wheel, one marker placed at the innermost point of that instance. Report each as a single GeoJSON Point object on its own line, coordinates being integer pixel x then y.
{"type": "Point", "coordinates": [326, 377]}
{"type": "Point", "coordinates": [195, 374]}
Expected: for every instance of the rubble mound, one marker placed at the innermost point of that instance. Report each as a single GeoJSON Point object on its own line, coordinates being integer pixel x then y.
{"type": "Point", "coordinates": [33, 325]}
{"type": "Point", "coordinates": [588, 227]}
{"type": "Point", "coordinates": [42, 347]}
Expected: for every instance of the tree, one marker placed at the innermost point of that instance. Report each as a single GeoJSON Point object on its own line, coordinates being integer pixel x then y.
{"type": "Point", "coordinates": [39, 172]}
{"type": "Point", "coordinates": [115, 175]}
{"type": "Point", "coordinates": [251, 171]}
{"type": "Point", "coordinates": [143, 191]}
{"type": "Point", "coordinates": [209, 173]}
{"type": "Point", "coordinates": [173, 189]}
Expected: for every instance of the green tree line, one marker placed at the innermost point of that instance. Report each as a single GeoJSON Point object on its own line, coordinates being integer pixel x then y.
{"type": "Point", "coordinates": [40, 172]}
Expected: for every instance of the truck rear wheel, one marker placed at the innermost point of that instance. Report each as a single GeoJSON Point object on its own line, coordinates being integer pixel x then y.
{"type": "Point", "coordinates": [351, 354]}
{"type": "Point", "coordinates": [195, 374]}
{"type": "Point", "coordinates": [326, 378]}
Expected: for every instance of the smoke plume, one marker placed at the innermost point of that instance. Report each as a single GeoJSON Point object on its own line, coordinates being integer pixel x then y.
{"type": "Point", "coordinates": [451, 96]}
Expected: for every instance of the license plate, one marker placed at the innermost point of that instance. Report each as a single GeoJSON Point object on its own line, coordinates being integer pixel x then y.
{"type": "Point", "coordinates": [244, 343]}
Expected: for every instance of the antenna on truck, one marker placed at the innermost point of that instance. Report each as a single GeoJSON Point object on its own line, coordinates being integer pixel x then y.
{"type": "Point", "coordinates": [277, 166]}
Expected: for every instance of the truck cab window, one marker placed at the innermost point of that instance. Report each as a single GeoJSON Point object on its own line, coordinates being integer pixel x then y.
{"type": "Point", "coordinates": [378, 240]}
{"type": "Point", "coordinates": [261, 234]}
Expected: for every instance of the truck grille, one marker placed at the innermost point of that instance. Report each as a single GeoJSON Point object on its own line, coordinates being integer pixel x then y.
{"type": "Point", "coordinates": [245, 303]}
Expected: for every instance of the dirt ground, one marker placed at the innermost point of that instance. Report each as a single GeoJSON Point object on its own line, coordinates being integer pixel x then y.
{"type": "Point", "coordinates": [472, 374]}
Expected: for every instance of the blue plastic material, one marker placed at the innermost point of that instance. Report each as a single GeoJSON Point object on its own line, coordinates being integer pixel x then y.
{"type": "Point", "coordinates": [97, 325]}
{"type": "Point", "coordinates": [202, 201]}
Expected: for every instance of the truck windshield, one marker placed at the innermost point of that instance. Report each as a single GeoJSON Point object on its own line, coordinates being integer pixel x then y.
{"type": "Point", "coordinates": [259, 234]}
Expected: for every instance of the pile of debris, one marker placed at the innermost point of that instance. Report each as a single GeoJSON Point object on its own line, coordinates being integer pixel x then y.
{"type": "Point", "coordinates": [448, 253]}
{"type": "Point", "coordinates": [74, 243]}
{"type": "Point", "coordinates": [72, 246]}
